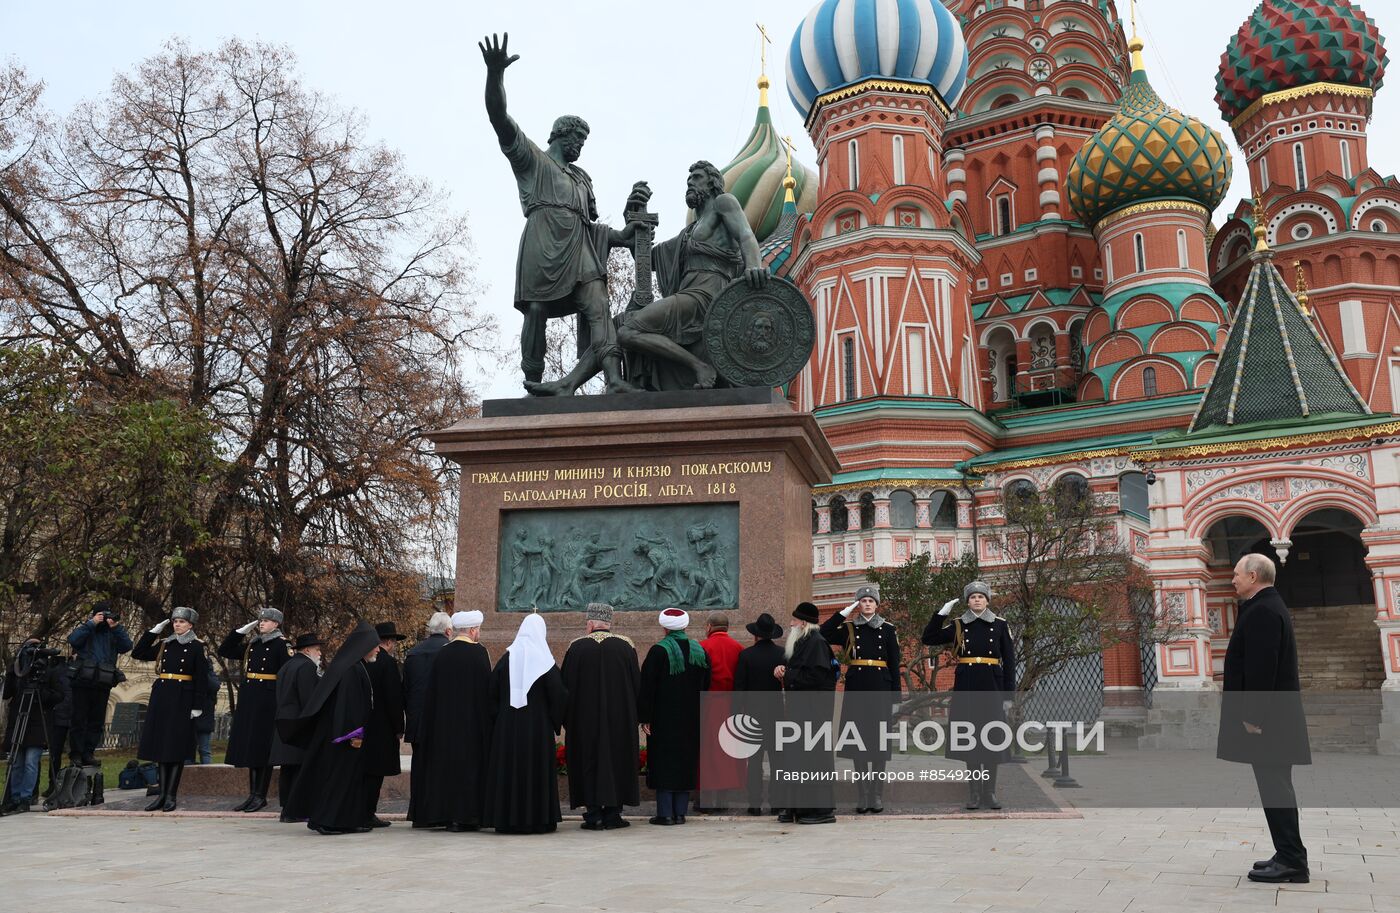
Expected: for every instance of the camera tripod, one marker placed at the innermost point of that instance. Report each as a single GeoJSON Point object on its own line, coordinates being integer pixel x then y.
{"type": "Point", "coordinates": [28, 700]}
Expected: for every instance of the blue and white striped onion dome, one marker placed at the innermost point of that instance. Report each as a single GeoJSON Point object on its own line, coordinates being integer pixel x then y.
{"type": "Point", "coordinates": [843, 42]}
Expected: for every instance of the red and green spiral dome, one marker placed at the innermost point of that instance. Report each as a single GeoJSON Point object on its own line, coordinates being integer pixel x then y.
{"type": "Point", "coordinates": [1291, 43]}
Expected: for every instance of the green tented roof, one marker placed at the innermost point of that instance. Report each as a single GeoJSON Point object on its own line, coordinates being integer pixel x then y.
{"type": "Point", "coordinates": [1275, 365]}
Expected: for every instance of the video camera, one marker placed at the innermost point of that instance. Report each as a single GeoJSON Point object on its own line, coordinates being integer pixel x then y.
{"type": "Point", "coordinates": [34, 661]}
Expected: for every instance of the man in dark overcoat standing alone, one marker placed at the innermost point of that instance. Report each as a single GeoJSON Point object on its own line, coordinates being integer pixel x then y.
{"type": "Point", "coordinates": [1261, 713]}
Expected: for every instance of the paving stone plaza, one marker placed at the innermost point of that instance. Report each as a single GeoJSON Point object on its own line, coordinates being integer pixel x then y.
{"type": "Point", "coordinates": [1107, 860]}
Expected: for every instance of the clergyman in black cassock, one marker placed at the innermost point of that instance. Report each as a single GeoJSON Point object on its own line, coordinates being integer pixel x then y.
{"type": "Point", "coordinates": [1262, 722]}
{"type": "Point", "coordinates": [453, 741]}
{"type": "Point", "coordinates": [262, 650]}
{"type": "Point", "coordinates": [330, 791]}
{"type": "Point", "coordinates": [808, 674]}
{"type": "Point", "coordinates": [529, 699]}
{"type": "Point", "coordinates": [674, 674]}
{"type": "Point", "coordinates": [600, 729]}
{"type": "Point", "coordinates": [758, 693]}
{"type": "Point", "coordinates": [296, 681]}
{"type": "Point", "coordinates": [416, 667]}
{"type": "Point", "coordinates": [385, 726]}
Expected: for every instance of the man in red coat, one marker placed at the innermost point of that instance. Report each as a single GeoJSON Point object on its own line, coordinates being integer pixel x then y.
{"type": "Point", "coordinates": [719, 773]}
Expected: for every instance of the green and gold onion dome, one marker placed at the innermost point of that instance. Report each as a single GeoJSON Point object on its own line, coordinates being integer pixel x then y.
{"type": "Point", "coordinates": [1149, 151]}
{"type": "Point", "coordinates": [755, 176]}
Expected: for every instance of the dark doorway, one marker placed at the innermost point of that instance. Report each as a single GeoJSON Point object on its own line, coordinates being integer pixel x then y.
{"type": "Point", "coordinates": [1327, 563]}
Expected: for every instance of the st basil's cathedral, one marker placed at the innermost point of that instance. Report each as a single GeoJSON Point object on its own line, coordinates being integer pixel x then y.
{"type": "Point", "coordinates": [1020, 278]}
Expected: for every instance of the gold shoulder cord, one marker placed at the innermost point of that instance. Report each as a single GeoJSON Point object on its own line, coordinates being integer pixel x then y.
{"type": "Point", "coordinates": [957, 637]}
{"type": "Point", "coordinates": [851, 652]}
{"type": "Point", "coordinates": [160, 651]}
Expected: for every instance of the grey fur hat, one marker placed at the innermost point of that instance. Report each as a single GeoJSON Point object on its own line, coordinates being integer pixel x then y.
{"type": "Point", "coordinates": [868, 590]}
{"type": "Point", "coordinates": [976, 586]}
{"type": "Point", "coordinates": [598, 611]}
{"type": "Point", "coordinates": [185, 613]}
{"type": "Point", "coordinates": [268, 613]}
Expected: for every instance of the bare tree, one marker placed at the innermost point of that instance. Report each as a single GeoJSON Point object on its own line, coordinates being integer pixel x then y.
{"type": "Point", "coordinates": [213, 232]}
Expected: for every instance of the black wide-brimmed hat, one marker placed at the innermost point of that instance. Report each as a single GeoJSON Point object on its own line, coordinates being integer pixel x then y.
{"type": "Point", "coordinates": [765, 628]}
{"type": "Point", "coordinates": [386, 631]}
{"type": "Point", "coordinates": [807, 612]}
{"type": "Point", "coordinates": [308, 640]}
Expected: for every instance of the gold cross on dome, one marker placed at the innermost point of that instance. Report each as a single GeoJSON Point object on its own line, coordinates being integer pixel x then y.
{"type": "Point", "coordinates": [763, 48]}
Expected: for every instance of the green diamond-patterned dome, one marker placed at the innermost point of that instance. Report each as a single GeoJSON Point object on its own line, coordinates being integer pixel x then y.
{"type": "Point", "coordinates": [1289, 43]}
{"type": "Point", "coordinates": [1148, 151]}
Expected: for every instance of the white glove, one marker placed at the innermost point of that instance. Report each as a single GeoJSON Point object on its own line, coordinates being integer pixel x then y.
{"type": "Point", "coordinates": [161, 626]}
{"type": "Point", "coordinates": [947, 607]}
{"type": "Point", "coordinates": [846, 612]}
{"type": "Point", "coordinates": [248, 627]}
{"type": "Point", "coordinates": [196, 714]}
{"type": "Point", "coordinates": [1006, 706]}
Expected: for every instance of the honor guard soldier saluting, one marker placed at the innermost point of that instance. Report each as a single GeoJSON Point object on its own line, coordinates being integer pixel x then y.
{"type": "Point", "coordinates": [250, 738]}
{"type": "Point", "coordinates": [985, 677]}
{"type": "Point", "coordinates": [869, 648]}
{"type": "Point", "coordinates": [182, 679]}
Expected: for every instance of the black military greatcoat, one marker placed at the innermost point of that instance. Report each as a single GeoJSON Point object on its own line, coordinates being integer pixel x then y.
{"type": "Point", "coordinates": [255, 716]}
{"type": "Point", "coordinates": [182, 680]}
{"type": "Point", "coordinates": [984, 678]}
{"type": "Point", "coordinates": [870, 652]}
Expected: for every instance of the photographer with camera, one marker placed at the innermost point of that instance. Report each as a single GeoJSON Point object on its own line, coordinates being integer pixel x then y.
{"type": "Point", "coordinates": [36, 684]}
{"type": "Point", "coordinates": [98, 642]}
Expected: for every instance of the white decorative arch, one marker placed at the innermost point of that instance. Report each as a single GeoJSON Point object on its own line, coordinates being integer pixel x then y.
{"type": "Point", "coordinates": [1312, 207]}
{"type": "Point", "coordinates": [1390, 206]}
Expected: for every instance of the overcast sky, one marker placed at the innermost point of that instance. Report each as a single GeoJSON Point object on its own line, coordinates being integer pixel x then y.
{"type": "Point", "coordinates": [660, 83]}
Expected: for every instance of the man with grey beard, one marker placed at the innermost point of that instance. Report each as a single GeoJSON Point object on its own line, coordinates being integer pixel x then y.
{"type": "Point", "coordinates": [809, 678]}
{"type": "Point", "coordinates": [691, 269]}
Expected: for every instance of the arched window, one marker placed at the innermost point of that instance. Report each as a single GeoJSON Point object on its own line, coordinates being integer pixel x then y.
{"type": "Point", "coordinates": [1108, 262]}
{"type": "Point", "coordinates": [1004, 225]}
{"type": "Point", "coordinates": [1300, 167]}
{"type": "Point", "coordinates": [853, 166]}
{"type": "Point", "coordinates": [1139, 253]}
{"type": "Point", "coordinates": [840, 518]}
{"type": "Point", "coordinates": [897, 149]}
{"type": "Point", "coordinates": [1076, 346]}
{"type": "Point", "coordinates": [1263, 174]}
{"type": "Point", "coordinates": [816, 523]}
{"type": "Point", "coordinates": [1149, 381]}
{"type": "Point", "coordinates": [1132, 494]}
{"type": "Point", "coordinates": [848, 367]}
{"type": "Point", "coordinates": [1011, 369]}
{"type": "Point", "coordinates": [902, 512]}
{"type": "Point", "coordinates": [1071, 491]}
{"type": "Point", "coordinates": [943, 510]}
{"type": "Point", "coordinates": [1182, 254]}
{"type": "Point", "coordinates": [867, 511]}
{"type": "Point", "coordinates": [1346, 160]}
{"type": "Point", "coordinates": [1021, 491]}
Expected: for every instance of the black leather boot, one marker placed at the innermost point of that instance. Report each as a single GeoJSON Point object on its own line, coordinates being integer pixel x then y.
{"type": "Point", "coordinates": [164, 773]}
{"type": "Point", "coordinates": [252, 791]}
{"type": "Point", "coordinates": [876, 800]}
{"type": "Point", "coordinates": [989, 792]}
{"type": "Point", "coordinates": [173, 794]}
{"type": "Point", "coordinates": [262, 782]}
{"type": "Point", "coordinates": [974, 788]}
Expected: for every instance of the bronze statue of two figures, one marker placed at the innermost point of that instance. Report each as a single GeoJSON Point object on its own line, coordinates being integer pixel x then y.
{"type": "Point", "coordinates": [720, 320]}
